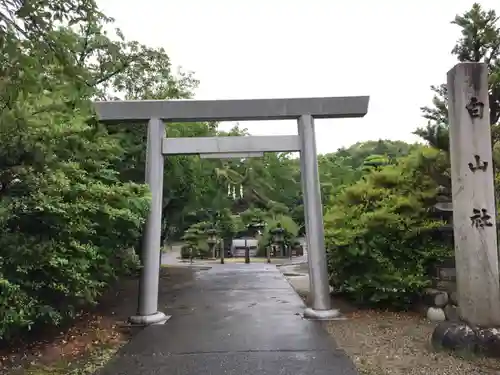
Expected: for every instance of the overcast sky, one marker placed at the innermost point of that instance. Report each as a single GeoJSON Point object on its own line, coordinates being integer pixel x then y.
{"type": "Point", "coordinates": [391, 50]}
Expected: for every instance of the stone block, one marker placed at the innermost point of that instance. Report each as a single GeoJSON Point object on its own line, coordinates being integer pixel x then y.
{"type": "Point", "coordinates": [447, 274]}
{"type": "Point", "coordinates": [436, 314]}
{"type": "Point", "coordinates": [451, 312]}
{"type": "Point", "coordinates": [459, 337]}
{"type": "Point", "coordinates": [446, 285]}
{"type": "Point", "coordinates": [453, 297]}
{"type": "Point", "coordinates": [435, 297]}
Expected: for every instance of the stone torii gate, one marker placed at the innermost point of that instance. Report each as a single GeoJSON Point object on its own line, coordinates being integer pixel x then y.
{"type": "Point", "coordinates": [304, 110]}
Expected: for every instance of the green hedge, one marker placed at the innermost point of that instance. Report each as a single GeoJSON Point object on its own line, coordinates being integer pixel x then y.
{"type": "Point", "coordinates": [380, 237]}
{"type": "Point", "coordinates": [67, 222]}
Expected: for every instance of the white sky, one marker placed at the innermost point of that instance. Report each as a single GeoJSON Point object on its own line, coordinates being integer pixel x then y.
{"type": "Point", "coordinates": [388, 49]}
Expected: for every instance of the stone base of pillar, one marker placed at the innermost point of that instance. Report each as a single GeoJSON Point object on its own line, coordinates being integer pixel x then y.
{"type": "Point", "coordinates": [146, 320]}
{"type": "Point", "coordinates": [312, 314]}
{"type": "Point", "coordinates": [462, 338]}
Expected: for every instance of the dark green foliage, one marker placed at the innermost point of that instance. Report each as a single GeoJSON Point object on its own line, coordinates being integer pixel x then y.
{"type": "Point", "coordinates": [196, 240]}
{"type": "Point", "coordinates": [380, 240]}
{"type": "Point", "coordinates": [479, 42]}
{"type": "Point", "coordinates": [67, 221]}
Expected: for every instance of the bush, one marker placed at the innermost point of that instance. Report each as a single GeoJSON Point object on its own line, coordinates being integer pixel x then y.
{"type": "Point", "coordinates": [196, 237]}
{"type": "Point", "coordinates": [67, 222]}
{"type": "Point", "coordinates": [379, 236]}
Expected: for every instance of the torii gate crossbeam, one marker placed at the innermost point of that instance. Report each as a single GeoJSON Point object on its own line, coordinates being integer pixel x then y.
{"type": "Point", "coordinates": [304, 110]}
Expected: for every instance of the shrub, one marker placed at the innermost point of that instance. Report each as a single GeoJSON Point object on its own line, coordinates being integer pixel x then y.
{"type": "Point", "coordinates": [196, 237]}
{"type": "Point", "coordinates": [379, 236]}
{"type": "Point", "coordinates": [67, 222]}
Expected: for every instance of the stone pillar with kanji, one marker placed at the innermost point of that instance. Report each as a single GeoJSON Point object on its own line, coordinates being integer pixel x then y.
{"type": "Point", "coordinates": [474, 222]}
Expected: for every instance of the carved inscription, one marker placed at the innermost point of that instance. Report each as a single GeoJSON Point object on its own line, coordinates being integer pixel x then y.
{"type": "Point", "coordinates": [475, 108]}
{"type": "Point", "coordinates": [480, 218]}
{"type": "Point", "coordinates": [479, 165]}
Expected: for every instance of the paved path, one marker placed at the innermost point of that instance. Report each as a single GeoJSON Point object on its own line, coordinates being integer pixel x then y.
{"type": "Point", "coordinates": [237, 319]}
{"type": "Point", "coordinates": [172, 256]}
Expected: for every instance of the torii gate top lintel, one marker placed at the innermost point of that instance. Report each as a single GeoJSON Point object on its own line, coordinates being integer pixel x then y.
{"type": "Point", "coordinates": [231, 110]}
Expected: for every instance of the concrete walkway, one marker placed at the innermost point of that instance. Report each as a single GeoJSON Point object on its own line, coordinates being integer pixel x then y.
{"type": "Point", "coordinates": [236, 319]}
{"type": "Point", "coordinates": [297, 275]}
{"type": "Point", "coordinates": [172, 256]}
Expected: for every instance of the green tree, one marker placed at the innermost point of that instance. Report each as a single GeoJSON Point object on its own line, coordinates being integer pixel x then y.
{"type": "Point", "coordinates": [374, 162]}
{"type": "Point", "coordinates": [67, 215]}
{"type": "Point", "coordinates": [479, 42]}
{"type": "Point", "coordinates": [356, 154]}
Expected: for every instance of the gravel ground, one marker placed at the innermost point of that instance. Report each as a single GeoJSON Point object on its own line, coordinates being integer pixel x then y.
{"type": "Point", "coordinates": [386, 343]}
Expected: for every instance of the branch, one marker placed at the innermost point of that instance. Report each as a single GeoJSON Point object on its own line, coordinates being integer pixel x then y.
{"type": "Point", "coordinates": [10, 22]}
{"type": "Point", "coordinates": [108, 76]}
{"type": "Point", "coordinates": [85, 51]}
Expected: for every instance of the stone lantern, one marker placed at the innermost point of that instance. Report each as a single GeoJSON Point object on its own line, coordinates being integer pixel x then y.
{"type": "Point", "coordinates": [191, 241]}
{"type": "Point", "coordinates": [278, 236]}
{"type": "Point", "coordinates": [257, 227]}
{"type": "Point", "coordinates": [212, 240]}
